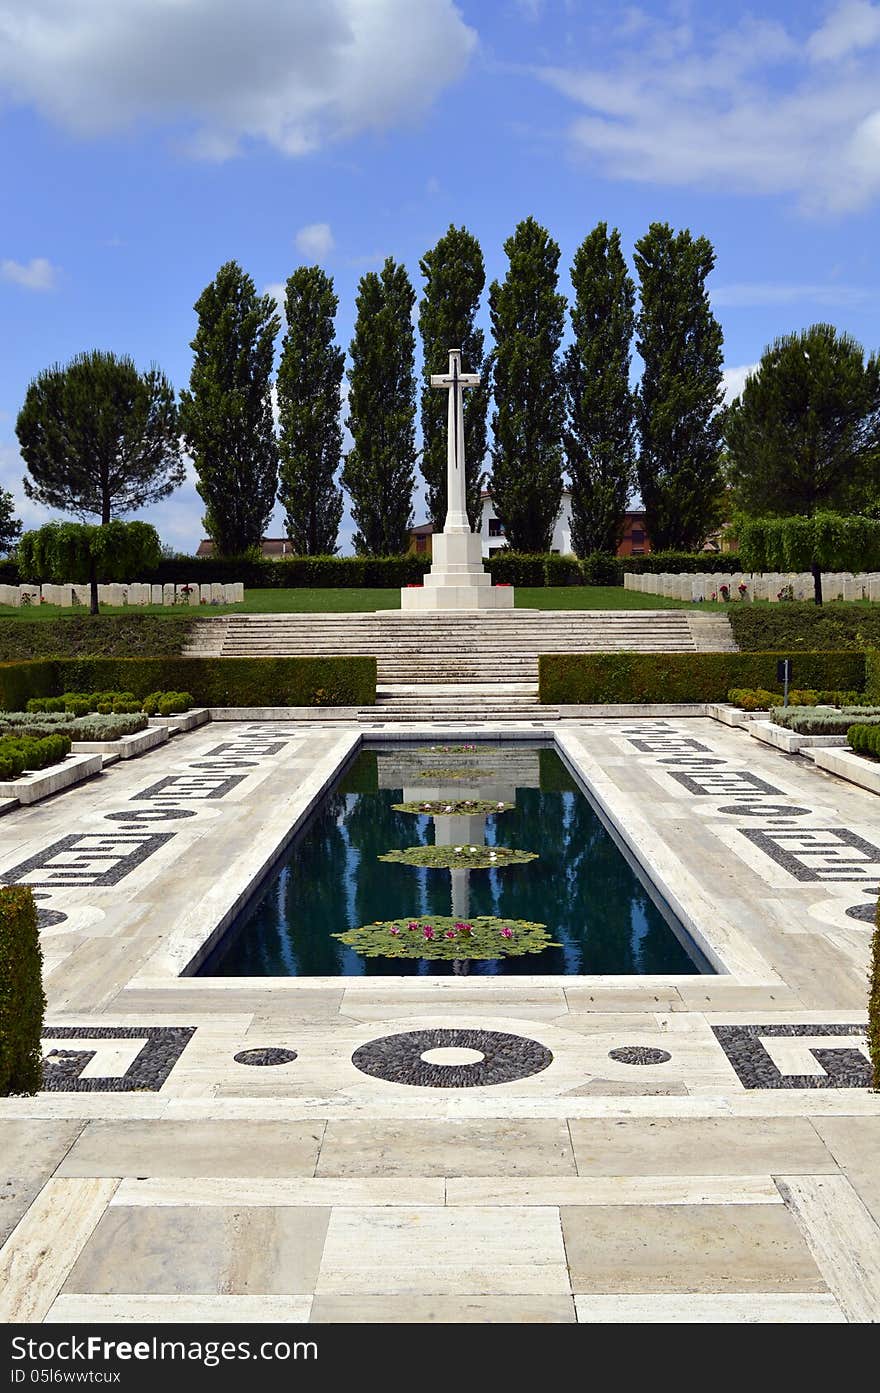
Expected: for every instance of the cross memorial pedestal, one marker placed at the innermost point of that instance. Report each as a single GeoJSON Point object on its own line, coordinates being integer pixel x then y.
{"type": "Point", "coordinates": [457, 579]}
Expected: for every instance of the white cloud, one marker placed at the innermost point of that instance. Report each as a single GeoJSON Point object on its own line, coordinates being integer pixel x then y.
{"type": "Point", "coordinates": [734, 379]}
{"type": "Point", "coordinates": [315, 240]}
{"type": "Point", "coordinates": [294, 75]}
{"type": "Point", "coordinates": [747, 294]}
{"type": "Point", "coordinates": [278, 291]}
{"type": "Point", "coordinates": [745, 108]}
{"type": "Point", "coordinates": [36, 274]}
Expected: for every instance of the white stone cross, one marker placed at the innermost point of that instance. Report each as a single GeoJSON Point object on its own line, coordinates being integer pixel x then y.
{"type": "Point", "coordinates": [456, 494]}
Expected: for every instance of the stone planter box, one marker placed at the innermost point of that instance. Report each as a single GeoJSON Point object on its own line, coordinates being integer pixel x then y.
{"type": "Point", "coordinates": [187, 720]}
{"type": "Point", "coordinates": [126, 747]}
{"type": "Point", "coordinates": [42, 783]}
{"type": "Point", "coordinates": [847, 765]}
{"type": "Point", "coordinates": [733, 715]}
{"type": "Point", "coordinates": [789, 741]}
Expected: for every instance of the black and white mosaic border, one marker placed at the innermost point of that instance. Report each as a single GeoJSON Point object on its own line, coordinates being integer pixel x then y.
{"type": "Point", "coordinates": [164, 1044]}
{"type": "Point", "coordinates": [844, 1068]}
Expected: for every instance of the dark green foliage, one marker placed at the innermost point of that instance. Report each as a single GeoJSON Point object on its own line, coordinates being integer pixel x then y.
{"type": "Point", "coordinates": [599, 442]}
{"type": "Point", "coordinates": [22, 1002]}
{"type": "Point", "coordinates": [601, 568]}
{"type": "Point", "coordinates": [553, 774]}
{"type": "Point", "coordinates": [799, 626]}
{"type": "Point", "coordinates": [86, 727]}
{"type": "Point", "coordinates": [680, 393]}
{"type": "Point", "coordinates": [445, 938]}
{"type": "Point", "coordinates": [82, 553]}
{"type": "Point", "coordinates": [683, 563]}
{"type": "Point", "coordinates": [515, 568]}
{"type": "Point", "coordinates": [19, 681]}
{"type": "Point", "coordinates": [119, 635]}
{"type": "Point", "coordinates": [527, 316]}
{"type": "Point", "coordinates": [759, 699]}
{"type": "Point", "coordinates": [20, 751]}
{"type": "Point", "coordinates": [598, 678]}
{"type": "Point", "coordinates": [99, 437]}
{"type": "Point", "coordinates": [874, 1003]}
{"type": "Point", "coordinates": [804, 436]}
{"type": "Point", "coordinates": [226, 415]}
{"type": "Point", "coordinates": [113, 702]}
{"type": "Point", "coordinates": [379, 469]}
{"type": "Point", "coordinates": [865, 740]}
{"type": "Point", "coordinates": [10, 527]}
{"type": "Point", "coordinates": [822, 542]}
{"type": "Point", "coordinates": [347, 681]}
{"type": "Point", "coordinates": [454, 279]}
{"type": "Point", "coordinates": [310, 434]}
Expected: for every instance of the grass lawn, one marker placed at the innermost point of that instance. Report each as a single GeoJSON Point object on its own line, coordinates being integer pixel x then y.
{"type": "Point", "coordinates": [350, 601]}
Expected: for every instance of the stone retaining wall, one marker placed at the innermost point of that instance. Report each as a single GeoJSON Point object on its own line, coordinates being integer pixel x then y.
{"type": "Point", "coordinates": [771, 585]}
{"type": "Point", "coordinates": [133, 594]}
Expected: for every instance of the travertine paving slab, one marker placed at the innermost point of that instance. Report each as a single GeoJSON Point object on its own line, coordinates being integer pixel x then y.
{"type": "Point", "coordinates": [444, 1252]}
{"type": "Point", "coordinates": [854, 1142]}
{"type": "Point", "coordinates": [444, 1310]}
{"type": "Point", "coordinates": [698, 1146]}
{"type": "Point", "coordinates": [715, 1308]}
{"type": "Point", "coordinates": [29, 1153]}
{"type": "Point", "coordinates": [612, 1189]}
{"type": "Point", "coordinates": [843, 1238]}
{"type": "Point", "coordinates": [324, 1191]}
{"type": "Point", "coordinates": [43, 1247]}
{"type": "Point", "coordinates": [178, 1310]}
{"type": "Point", "coordinates": [166, 1148]}
{"type": "Point", "coordinates": [514, 1147]}
{"type": "Point", "coordinates": [687, 1248]}
{"type": "Point", "coordinates": [202, 1251]}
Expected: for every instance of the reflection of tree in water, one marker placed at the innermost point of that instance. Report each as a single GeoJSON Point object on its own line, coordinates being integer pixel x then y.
{"type": "Point", "coordinates": [315, 892]}
{"type": "Point", "coordinates": [383, 890]}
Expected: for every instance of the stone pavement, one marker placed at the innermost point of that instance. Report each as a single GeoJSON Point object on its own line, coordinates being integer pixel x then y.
{"type": "Point", "coordinates": [721, 1167]}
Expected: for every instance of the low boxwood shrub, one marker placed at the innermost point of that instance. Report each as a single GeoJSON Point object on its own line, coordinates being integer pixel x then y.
{"type": "Point", "coordinates": [22, 1002]}
{"type": "Point", "coordinates": [113, 703]}
{"type": "Point", "coordinates": [121, 635]}
{"type": "Point", "coordinates": [752, 698]}
{"type": "Point", "coordinates": [599, 678]}
{"type": "Point", "coordinates": [749, 699]}
{"type": "Point", "coordinates": [865, 738]}
{"type": "Point", "coordinates": [20, 752]}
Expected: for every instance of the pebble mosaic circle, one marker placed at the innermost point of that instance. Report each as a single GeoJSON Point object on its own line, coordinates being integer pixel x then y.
{"type": "Point", "coordinates": [48, 918]}
{"type": "Point", "coordinates": [867, 913]}
{"type": "Point", "coordinates": [639, 1054]}
{"type": "Point", "coordinates": [261, 1057]}
{"type": "Point", "coordinates": [398, 1058]}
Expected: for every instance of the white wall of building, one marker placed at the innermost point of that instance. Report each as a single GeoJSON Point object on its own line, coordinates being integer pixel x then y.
{"type": "Point", "coordinates": [561, 532]}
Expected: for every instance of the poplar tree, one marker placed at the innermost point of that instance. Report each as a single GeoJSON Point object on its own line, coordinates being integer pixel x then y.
{"type": "Point", "coordinates": [599, 443]}
{"type": "Point", "coordinates": [227, 413]}
{"type": "Point", "coordinates": [99, 437]}
{"type": "Point", "coordinates": [527, 316]}
{"type": "Point", "coordinates": [10, 526]}
{"type": "Point", "coordinates": [310, 434]}
{"type": "Point", "coordinates": [678, 401]}
{"type": "Point", "coordinates": [379, 468]}
{"type": "Point", "coordinates": [454, 279]}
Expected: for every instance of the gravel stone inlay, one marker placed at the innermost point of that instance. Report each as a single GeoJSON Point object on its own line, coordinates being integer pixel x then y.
{"type": "Point", "coordinates": [844, 1068]}
{"type": "Point", "coordinates": [639, 1054]}
{"type": "Point", "coordinates": [835, 853]}
{"type": "Point", "coordinates": [151, 814]}
{"type": "Point", "coordinates": [867, 913]}
{"type": "Point", "coordinates": [268, 1055]}
{"type": "Point", "coordinates": [146, 1073]}
{"type": "Point", "coordinates": [192, 786]}
{"type": "Point", "coordinates": [88, 858]}
{"type": "Point", "coordinates": [767, 810]}
{"type": "Point", "coordinates": [48, 918]}
{"type": "Point", "coordinates": [398, 1058]}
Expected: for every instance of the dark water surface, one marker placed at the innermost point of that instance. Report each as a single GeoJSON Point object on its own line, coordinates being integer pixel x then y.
{"type": "Point", "coordinates": [581, 887]}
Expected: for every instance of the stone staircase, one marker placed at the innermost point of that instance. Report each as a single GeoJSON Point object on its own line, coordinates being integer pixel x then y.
{"type": "Point", "coordinates": [460, 666]}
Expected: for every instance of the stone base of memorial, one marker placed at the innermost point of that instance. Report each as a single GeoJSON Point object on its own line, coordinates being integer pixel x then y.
{"type": "Point", "coordinates": [457, 579]}
{"type": "Point", "coordinates": [42, 783]}
{"type": "Point", "coordinates": [127, 746]}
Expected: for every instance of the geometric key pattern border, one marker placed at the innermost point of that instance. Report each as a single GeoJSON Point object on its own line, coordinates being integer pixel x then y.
{"type": "Point", "coordinates": [844, 1068]}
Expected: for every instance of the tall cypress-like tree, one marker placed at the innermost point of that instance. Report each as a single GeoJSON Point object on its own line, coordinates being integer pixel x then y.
{"type": "Point", "coordinates": [227, 413]}
{"type": "Point", "coordinates": [310, 436]}
{"type": "Point", "coordinates": [527, 316]}
{"type": "Point", "coordinates": [678, 400]}
{"type": "Point", "coordinates": [379, 468]}
{"type": "Point", "coordinates": [454, 280]}
{"type": "Point", "coordinates": [599, 445]}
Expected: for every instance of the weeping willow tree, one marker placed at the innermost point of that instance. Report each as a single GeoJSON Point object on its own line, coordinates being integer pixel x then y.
{"type": "Point", "coordinates": [85, 554]}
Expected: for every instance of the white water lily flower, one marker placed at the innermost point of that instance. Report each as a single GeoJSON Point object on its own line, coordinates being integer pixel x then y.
{"type": "Point", "coordinates": [458, 848]}
{"type": "Point", "coordinates": [473, 848]}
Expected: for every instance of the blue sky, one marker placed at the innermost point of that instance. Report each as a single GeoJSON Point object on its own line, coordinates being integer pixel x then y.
{"type": "Point", "coordinates": [144, 142]}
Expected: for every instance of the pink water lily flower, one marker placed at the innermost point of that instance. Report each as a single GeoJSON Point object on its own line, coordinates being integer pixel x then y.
{"type": "Point", "coordinates": [411, 927]}
{"type": "Point", "coordinates": [450, 933]}
{"type": "Point", "coordinates": [395, 932]}
{"type": "Point", "coordinates": [428, 931]}
{"type": "Point", "coordinates": [507, 933]}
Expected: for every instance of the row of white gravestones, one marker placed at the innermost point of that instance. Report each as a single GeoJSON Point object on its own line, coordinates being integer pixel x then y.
{"type": "Point", "coordinates": [771, 585]}
{"type": "Point", "coordinates": [133, 594]}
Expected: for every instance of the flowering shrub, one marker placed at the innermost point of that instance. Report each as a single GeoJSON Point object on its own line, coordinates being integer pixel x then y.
{"type": "Point", "coordinates": [443, 937]}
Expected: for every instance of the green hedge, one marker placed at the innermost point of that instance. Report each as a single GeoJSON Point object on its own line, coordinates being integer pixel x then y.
{"type": "Point", "coordinates": [19, 752]}
{"type": "Point", "coordinates": [22, 1002]}
{"type": "Point", "coordinates": [804, 625]}
{"type": "Point", "coordinates": [111, 635]}
{"type": "Point", "coordinates": [864, 739]}
{"type": "Point", "coordinates": [683, 563]}
{"type": "Point", "coordinates": [598, 678]}
{"type": "Point", "coordinates": [210, 681]}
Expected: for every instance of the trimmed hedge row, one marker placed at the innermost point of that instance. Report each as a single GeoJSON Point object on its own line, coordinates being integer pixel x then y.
{"type": "Point", "coordinates": [864, 738]}
{"type": "Point", "coordinates": [112, 635]}
{"type": "Point", "coordinates": [599, 678]}
{"type": "Point", "coordinates": [21, 752]}
{"type": "Point", "coordinates": [804, 625]}
{"type": "Point", "coordinates": [22, 1002]}
{"type": "Point", "coordinates": [211, 681]}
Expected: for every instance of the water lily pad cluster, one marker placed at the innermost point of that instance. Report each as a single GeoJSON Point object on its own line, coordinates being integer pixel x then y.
{"type": "Point", "coordinates": [448, 750]}
{"type": "Point", "coordinates": [452, 858]}
{"type": "Point", "coordinates": [462, 807]}
{"type": "Point", "coordinates": [444, 937]}
{"type": "Point", "coordinates": [460, 772]}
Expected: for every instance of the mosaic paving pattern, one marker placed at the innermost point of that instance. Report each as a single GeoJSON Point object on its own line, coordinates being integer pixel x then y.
{"type": "Point", "coordinates": [639, 1054]}
{"type": "Point", "coordinates": [262, 1057]}
{"type": "Point", "coordinates": [843, 1067]}
{"type": "Point", "coordinates": [161, 1049]}
{"type": "Point", "coordinates": [398, 1058]}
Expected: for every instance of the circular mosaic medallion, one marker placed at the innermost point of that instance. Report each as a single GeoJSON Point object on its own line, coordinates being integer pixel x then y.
{"type": "Point", "coordinates": [768, 811]}
{"type": "Point", "coordinates": [639, 1054]}
{"type": "Point", "coordinates": [867, 913]}
{"type": "Point", "coordinates": [415, 1058]}
{"type": "Point", "coordinates": [265, 1056]}
{"type": "Point", "coordinates": [48, 918]}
